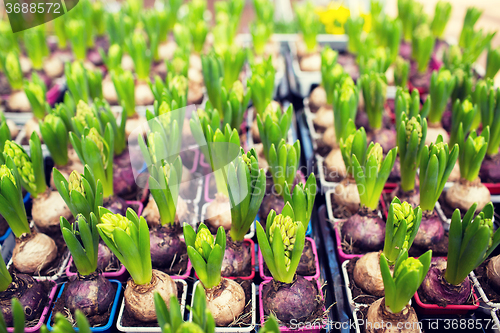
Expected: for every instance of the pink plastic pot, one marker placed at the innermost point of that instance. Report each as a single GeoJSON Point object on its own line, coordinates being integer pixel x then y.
{"type": "Point", "coordinates": [44, 314]}
{"type": "Point", "coordinates": [186, 274]}
{"type": "Point", "coordinates": [140, 205]}
{"type": "Point", "coordinates": [53, 94]}
{"type": "Point", "coordinates": [309, 329]}
{"type": "Point", "coordinates": [338, 239]}
{"type": "Point", "coordinates": [494, 188]}
{"type": "Point", "coordinates": [251, 244]}
{"type": "Point", "coordinates": [316, 263]}
{"type": "Point", "coordinates": [120, 275]}
{"type": "Point", "coordinates": [196, 159]}
{"type": "Point", "coordinates": [434, 309]}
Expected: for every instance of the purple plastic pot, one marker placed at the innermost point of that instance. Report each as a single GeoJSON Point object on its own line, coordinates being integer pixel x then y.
{"type": "Point", "coordinates": [307, 329]}
{"type": "Point", "coordinates": [44, 315]}
{"type": "Point", "coordinates": [316, 263]}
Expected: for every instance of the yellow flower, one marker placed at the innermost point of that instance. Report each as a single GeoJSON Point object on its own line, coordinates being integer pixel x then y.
{"type": "Point", "coordinates": [333, 17]}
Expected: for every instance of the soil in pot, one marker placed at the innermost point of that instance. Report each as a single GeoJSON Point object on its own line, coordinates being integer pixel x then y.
{"type": "Point", "coordinates": [32, 294]}
{"type": "Point", "coordinates": [94, 321]}
{"type": "Point", "coordinates": [129, 321]}
{"type": "Point", "coordinates": [306, 266]}
{"type": "Point", "coordinates": [302, 292]}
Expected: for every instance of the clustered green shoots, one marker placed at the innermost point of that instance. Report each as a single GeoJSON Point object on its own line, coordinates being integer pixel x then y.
{"type": "Point", "coordinates": [105, 117]}
{"type": "Point", "coordinates": [442, 15]}
{"type": "Point", "coordinates": [273, 127]}
{"type": "Point", "coordinates": [471, 16]}
{"type": "Point", "coordinates": [436, 163]}
{"type": "Point", "coordinates": [82, 239]}
{"type": "Point", "coordinates": [471, 241]}
{"type": "Point", "coordinates": [62, 325]}
{"type": "Point", "coordinates": [200, 314]}
{"type": "Point", "coordinates": [472, 152]}
{"type": "Point", "coordinates": [409, 273]}
{"type": "Point", "coordinates": [141, 54]}
{"type": "Point", "coordinates": [5, 281]}
{"type": "Point", "coordinates": [488, 102]}
{"type": "Point", "coordinates": [77, 34]}
{"type": "Point", "coordinates": [82, 193]}
{"type": "Point", "coordinates": [354, 28]}
{"type": "Point", "coordinates": [492, 62]}
{"type": "Point", "coordinates": [261, 84]}
{"type": "Point", "coordinates": [345, 108]}
{"type": "Point", "coordinates": [302, 199]}
{"type": "Point", "coordinates": [35, 91]}
{"type": "Point", "coordinates": [31, 169]}
{"type": "Point", "coordinates": [422, 46]}
{"type": "Point", "coordinates": [354, 144]}
{"type": "Point", "coordinates": [372, 174]}
{"type": "Point", "coordinates": [401, 229]}
{"type": "Point", "coordinates": [401, 72]}
{"type": "Point", "coordinates": [411, 134]}
{"type": "Point", "coordinates": [464, 83]}
{"type": "Point", "coordinates": [441, 87]}
{"type": "Point", "coordinates": [282, 243]}
{"type": "Point", "coordinates": [411, 14]}
{"type": "Point", "coordinates": [206, 253]}
{"type": "Point", "coordinates": [128, 239]}
{"type": "Point", "coordinates": [374, 87]}
{"type": "Point", "coordinates": [77, 81]}
{"type": "Point", "coordinates": [246, 186]}
{"type": "Point", "coordinates": [283, 163]}
{"type": "Point", "coordinates": [477, 42]}
{"type": "Point", "coordinates": [12, 69]}
{"type": "Point", "coordinates": [55, 135]}
{"type": "Point", "coordinates": [35, 42]}
{"type": "Point", "coordinates": [113, 59]}
{"type": "Point", "coordinates": [97, 152]}
{"type": "Point", "coordinates": [309, 24]}
{"type": "Point", "coordinates": [125, 89]}
{"type": "Point", "coordinates": [461, 122]}
{"type": "Point", "coordinates": [11, 200]}
{"type": "Point", "coordinates": [218, 147]}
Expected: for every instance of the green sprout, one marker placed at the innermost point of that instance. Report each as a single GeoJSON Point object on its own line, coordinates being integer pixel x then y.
{"type": "Point", "coordinates": [283, 163]}
{"type": "Point", "coordinates": [55, 136]}
{"type": "Point", "coordinates": [128, 239]}
{"type": "Point", "coordinates": [488, 102]}
{"type": "Point", "coordinates": [141, 54]}
{"type": "Point", "coordinates": [12, 69]}
{"type": "Point", "coordinates": [35, 91]}
{"type": "Point", "coordinates": [125, 89]}
{"type": "Point", "coordinates": [442, 15]}
{"type": "Point", "coordinates": [246, 186]}
{"type": "Point", "coordinates": [261, 84]}
{"type": "Point", "coordinates": [411, 14]}
{"type": "Point", "coordinates": [113, 59]}
{"type": "Point", "coordinates": [471, 16]}
{"type": "Point", "coordinates": [309, 24]}
{"type": "Point", "coordinates": [492, 62]}
{"type": "Point", "coordinates": [282, 243]}
{"type": "Point", "coordinates": [206, 253]}
{"type": "Point", "coordinates": [11, 201]}
{"type": "Point", "coordinates": [463, 116]}
{"type": "Point", "coordinates": [436, 163]}
{"type": "Point", "coordinates": [345, 108]}
{"type": "Point", "coordinates": [422, 46]}
{"type": "Point", "coordinates": [472, 240]}
{"type": "Point", "coordinates": [35, 42]}
{"type": "Point", "coordinates": [374, 86]}
{"type": "Point", "coordinates": [472, 152]}
{"type": "Point", "coordinates": [273, 127]}
{"type": "Point", "coordinates": [77, 81]}
{"type": "Point", "coordinates": [31, 169]}
{"type": "Point", "coordinates": [77, 34]}
{"type": "Point", "coordinates": [401, 72]}
{"type": "Point", "coordinates": [354, 29]}
{"type": "Point", "coordinates": [409, 273]}
{"type": "Point", "coordinates": [354, 144]}
{"type": "Point", "coordinates": [82, 193]}
{"type": "Point", "coordinates": [302, 199]}
{"type": "Point", "coordinates": [401, 229]}
{"type": "Point", "coordinates": [82, 239]}
{"type": "Point", "coordinates": [441, 87]}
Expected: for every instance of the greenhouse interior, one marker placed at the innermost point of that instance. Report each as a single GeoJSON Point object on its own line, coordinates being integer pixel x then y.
{"type": "Point", "coordinates": [243, 166]}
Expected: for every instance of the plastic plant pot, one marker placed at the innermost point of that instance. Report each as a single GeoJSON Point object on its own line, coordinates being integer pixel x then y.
{"type": "Point", "coordinates": [4, 236]}
{"type": "Point", "coordinates": [307, 329]}
{"type": "Point", "coordinates": [250, 233]}
{"type": "Point", "coordinates": [482, 295]}
{"type": "Point", "coordinates": [357, 319]}
{"type": "Point", "coordinates": [496, 321]}
{"type": "Point", "coordinates": [336, 226]}
{"type": "Point", "coordinates": [251, 245]}
{"type": "Point", "coordinates": [450, 309]}
{"type": "Point", "coordinates": [494, 188]}
{"type": "Point", "coordinates": [43, 316]}
{"type": "Point", "coordinates": [249, 328]}
{"type": "Point", "coordinates": [139, 329]}
{"type": "Point", "coordinates": [353, 305]}
{"type": "Point", "coordinates": [121, 274]}
{"type": "Point", "coordinates": [264, 277]}
{"type": "Point", "coordinates": [105, 328]}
